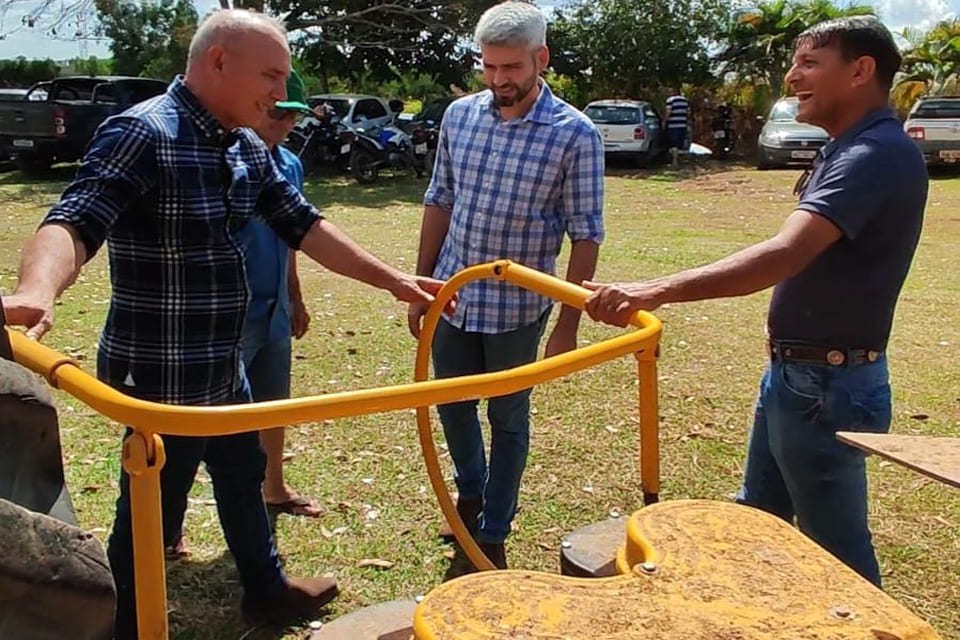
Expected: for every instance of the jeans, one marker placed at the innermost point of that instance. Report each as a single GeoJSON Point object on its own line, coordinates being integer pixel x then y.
{"type": "Point", "coordinates": [460, 353]}
{"type": "Point", "coordinates": [266, 361]}
{"type": "Point", "coordinates": [236, 466]}
{"type": "Point", "coordinates": [797, 468]}
{"type": "Point", "coordinates": [676, 138]}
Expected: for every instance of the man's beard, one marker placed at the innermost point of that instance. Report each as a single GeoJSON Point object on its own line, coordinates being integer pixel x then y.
{"type": "Point", "coordinates": [519, 94]}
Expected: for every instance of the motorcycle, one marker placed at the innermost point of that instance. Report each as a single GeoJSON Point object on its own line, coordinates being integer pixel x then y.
{"type": "Point", "coordinates": [723, 132]}
{"type": "Point", "coordinates": [322, 140]}
{"type": "Point", "coordinates": [388, 147]}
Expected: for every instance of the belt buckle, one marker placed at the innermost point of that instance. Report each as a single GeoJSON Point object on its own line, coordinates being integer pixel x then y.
{"type": "Point", "coordinates": [836, 358]}
{"type": "Point", "coordinates": [873, 356]}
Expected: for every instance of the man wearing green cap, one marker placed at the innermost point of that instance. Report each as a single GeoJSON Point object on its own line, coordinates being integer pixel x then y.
{"type": "Point", "coordinates": [276, 310]}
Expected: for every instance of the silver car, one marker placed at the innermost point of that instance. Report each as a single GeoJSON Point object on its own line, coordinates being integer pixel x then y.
{"type": "Point", "coordinates": [785, 142]}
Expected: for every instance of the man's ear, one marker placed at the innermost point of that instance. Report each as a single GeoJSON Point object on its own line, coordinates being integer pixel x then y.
{"type": "Point", "coordinates": [216, 55]}
{"type": "Point", "coordinates": [543, 58]}
{"type": "Point", "coordinates": [864, 71]}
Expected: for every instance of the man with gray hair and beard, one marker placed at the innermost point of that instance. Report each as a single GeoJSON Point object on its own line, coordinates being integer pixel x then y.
{"type": "Point", "coordinates": [517, 169]}
{"type": "Point", "coordinates": [170, 183]}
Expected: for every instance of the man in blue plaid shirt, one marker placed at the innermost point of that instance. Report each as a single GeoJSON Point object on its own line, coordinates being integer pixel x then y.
{"type": "Point", "coordinates": [517, 169]}
{"type": "Point", "coordinates": [169, 184]}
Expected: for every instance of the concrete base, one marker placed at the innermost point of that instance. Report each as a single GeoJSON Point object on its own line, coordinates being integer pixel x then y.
{"type": "Point", "coordinates": [591, 551]}
{"type": "Point", "coordinates": [386, 621]}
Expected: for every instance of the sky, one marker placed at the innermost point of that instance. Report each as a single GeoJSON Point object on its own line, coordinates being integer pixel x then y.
{"type": "Point", "coordinates": [895, 13]}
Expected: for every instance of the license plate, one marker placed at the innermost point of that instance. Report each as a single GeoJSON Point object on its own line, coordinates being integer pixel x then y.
{"type": "Point", "coordinates": [420, 148]}
{"type": "Point", "coordinates": [803, 155]}
{"type": "Point", "coordinates": [719, 134]}
{"type": "Point", "coordinates": [345, 149]}
{"type": "Point", "coordinates": [23, 144]}
{"type": "Point", "coordinates": [950, 156]}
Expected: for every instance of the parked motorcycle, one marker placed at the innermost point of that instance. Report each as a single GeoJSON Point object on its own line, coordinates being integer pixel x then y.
{"type": "Point", "coordinates": [723, 132]}
{"type": "Point", "coordinates": [322, 140]}
{"type": "Point", "coordinates": [386, 148]}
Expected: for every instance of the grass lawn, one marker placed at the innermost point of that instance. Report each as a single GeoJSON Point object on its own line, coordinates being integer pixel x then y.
{"type": "Point", "coordinates": [367, 471]}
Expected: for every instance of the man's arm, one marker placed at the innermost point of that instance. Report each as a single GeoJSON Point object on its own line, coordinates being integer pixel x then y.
{"type": "Point", "coordinates": [300, 317]}
{"type": "Point", "coordinates": [802, 238]}
{"type": "Point", "coordinates": [51, 261]}
{"type": "Point", "coordinates": [330, 247]}
{"type": "Point", "coordinates": [118, 168]}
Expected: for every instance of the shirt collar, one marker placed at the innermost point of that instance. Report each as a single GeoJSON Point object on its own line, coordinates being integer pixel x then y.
{"type": "Point", "coordinates": [541, 112]}
{"type": "Point", "coordinates": [200, 115]}
{"type": "Point", "coordinates": [858, 127]}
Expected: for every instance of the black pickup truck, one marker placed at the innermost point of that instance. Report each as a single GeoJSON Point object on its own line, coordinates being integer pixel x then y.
{"type": "Point", "coordinates": [55, 120]}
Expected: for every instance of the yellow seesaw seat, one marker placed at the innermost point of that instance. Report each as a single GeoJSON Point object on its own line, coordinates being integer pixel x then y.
{"type": "Point", "coordinates": [691, 570]}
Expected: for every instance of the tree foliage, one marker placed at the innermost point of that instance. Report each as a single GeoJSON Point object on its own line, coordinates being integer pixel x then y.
{"type": "Point", "coordinates": [22, 73]}
{"type": "Point", "coordinates": [933, 58]}
{"type": "Point", "coordinates": [149, 38]}
{"type": "Point", "coordinates": [757, 43]}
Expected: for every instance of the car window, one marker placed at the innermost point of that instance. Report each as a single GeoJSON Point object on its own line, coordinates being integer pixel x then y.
{"type": "Point", "coordinates": [938, 109]}
{"type": "Point", "coordinates": [136, 92]}
{"type": "Point", "coordinates": [651, 116]}
{"type": "Point", "coordinates": [105, 94]}
{"type": "Point", "coordinates": [80, 89]}
{"type": "Point", "coordinates": [784, 111]}
{"type": "Point", "coordinates": [369, 109]}
{"type": "Point", "coordinates": [609, 114]}
{"type": "Point", "coordinates": [340, 106]}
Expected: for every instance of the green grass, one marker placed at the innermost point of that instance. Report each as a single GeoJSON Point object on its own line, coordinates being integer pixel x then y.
{"type": "Point", "coordinates": [584, 427]}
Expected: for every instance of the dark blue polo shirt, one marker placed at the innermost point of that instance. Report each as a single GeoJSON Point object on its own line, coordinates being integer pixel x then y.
{"type": "Point", "coordinates": [871, 182]}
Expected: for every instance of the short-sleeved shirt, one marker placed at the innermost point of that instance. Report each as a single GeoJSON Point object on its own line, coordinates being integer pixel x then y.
{"type": "Point", "coordinates": [514, 188]}
{"type": "Point", "coordinates": [871, 182]}
{"type": "Point", "coordinates": [266, 258]}
{"type": "Point", "coordinates": [679, 108]}
{"type": "Point", "coordinates": [168, 188]}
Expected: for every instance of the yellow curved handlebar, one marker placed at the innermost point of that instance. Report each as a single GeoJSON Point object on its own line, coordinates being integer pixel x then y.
{"type": "Point", "coordinates": [143, 453]}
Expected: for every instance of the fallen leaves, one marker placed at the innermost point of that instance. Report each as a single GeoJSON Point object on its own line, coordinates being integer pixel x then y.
{"type": "Point", "coordinates": [375, 562]}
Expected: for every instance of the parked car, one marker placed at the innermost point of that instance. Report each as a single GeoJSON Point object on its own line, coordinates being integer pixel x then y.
{"type": "Point", "coordinates": [7, 155]}
{"type": "Point", "coordinates": [58, 127]}
{"type": "Point", "coordinates": [784, 142]}
{"type": "Point", "coordinates": [934, 125]}
{"type": "Point", "coordinates": [357, 110]}
{"type": "Point", "coordinates": [631, 129]}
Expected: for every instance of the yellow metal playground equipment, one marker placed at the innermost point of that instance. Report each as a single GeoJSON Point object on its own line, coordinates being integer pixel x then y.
{"type": "Point", "coordinates": [143, 453]}
{"type": "Point", "coordinates": [695, 570]}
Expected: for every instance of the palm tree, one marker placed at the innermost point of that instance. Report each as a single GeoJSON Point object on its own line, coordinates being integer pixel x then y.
{"type": "Point", "coordinates": [758, 42]}
{"type": "Point", "coordinates": [932, 59]}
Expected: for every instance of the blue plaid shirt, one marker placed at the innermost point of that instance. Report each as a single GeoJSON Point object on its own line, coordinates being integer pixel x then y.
{"type": "Point", "coordinates": [168, 188]}
{"type": "Point", "coordinates": [514, 188]}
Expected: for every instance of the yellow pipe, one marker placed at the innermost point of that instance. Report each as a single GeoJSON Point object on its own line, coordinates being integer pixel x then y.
{"type": "Point", "coordinates": [144, 454]}
{"type": "Point", "coordinates": [571, 295]}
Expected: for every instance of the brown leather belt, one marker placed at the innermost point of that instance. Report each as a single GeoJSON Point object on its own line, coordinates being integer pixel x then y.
{"type": "Point", "coordinates": [814, 354]}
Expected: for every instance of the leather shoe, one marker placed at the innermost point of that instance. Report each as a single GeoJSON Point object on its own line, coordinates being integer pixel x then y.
{"type": "Point", "coordinates": [301, 598]}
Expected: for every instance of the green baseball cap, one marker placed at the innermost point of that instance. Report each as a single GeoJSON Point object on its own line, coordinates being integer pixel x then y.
{"type": "Point", "coordinates": [296, 96]}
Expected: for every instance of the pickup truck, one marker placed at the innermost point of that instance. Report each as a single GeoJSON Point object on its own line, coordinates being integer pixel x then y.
{"type": "Point", "coordinates": [55, 120]}
{"type": "Point", "coordinates": [934, 124]}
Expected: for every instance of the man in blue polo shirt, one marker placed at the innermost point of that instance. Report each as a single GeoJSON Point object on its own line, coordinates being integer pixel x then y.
{"type": "Point", "coordinates": [276, 310]}
{"type": "Point", "coordinates": [838, 264]}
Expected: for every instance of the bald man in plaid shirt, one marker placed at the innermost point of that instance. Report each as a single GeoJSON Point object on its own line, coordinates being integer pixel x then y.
{"type": "Point", "coordinates": [517, 169]}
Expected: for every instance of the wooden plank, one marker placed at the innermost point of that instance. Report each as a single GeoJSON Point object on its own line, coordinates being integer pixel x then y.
{"type": "Point", "coordinates": [591, 551]}
{"type": "Point", "coordinates": [934, 456]}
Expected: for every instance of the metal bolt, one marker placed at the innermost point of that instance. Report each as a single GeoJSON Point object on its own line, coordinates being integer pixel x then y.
{"type": "Point", "coordinates": [648, 567]}
{"type": "Point", "coordinates": [316, 624]}
{"type": "Point", "coordinates": [843, 612]}
{"type": "Point", "coordinates": [614, 513]}
{"type": "Point", "coordinates": [419, 599]}
{"type": "Point", "coordinates": [566, 544]}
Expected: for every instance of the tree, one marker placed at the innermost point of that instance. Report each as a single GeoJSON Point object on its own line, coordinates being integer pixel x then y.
{"type": "Point", "coordinates": [933, 58]}
{"type": "Point", "coordinates": [148, 38]}
{"type": "Point", "coordinates": [22, 73]}
{"type": "Point", "coordinates": [757, 43]}
{"type": "Point", "coordinates": [625, 48]}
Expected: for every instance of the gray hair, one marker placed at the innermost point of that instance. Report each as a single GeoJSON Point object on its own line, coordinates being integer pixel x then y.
{"type": "Point", "coordinates": [221, 26]}
{"type": "Point", "coordinates": [512, 24]}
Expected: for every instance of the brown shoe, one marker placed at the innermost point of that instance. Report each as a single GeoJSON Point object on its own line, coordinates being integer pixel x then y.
{"type": "Point", "coordinates": [469, 511]}
{"type": "Point", "coordinates": [302, 598]}
{"type": "Point", "coordinates": [496, 552]}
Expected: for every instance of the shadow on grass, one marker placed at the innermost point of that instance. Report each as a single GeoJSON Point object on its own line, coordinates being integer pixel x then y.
{"type": "Point", "coordinates": [689, 167]}
{"type": "Point", "coordinates": [331, 189]}
{"type": "Point", "coordinates": [944, 172]}
{"type": "Point", "coordinates": [204, 603]}
{"type": "Point", "coordinates": [50, 183]}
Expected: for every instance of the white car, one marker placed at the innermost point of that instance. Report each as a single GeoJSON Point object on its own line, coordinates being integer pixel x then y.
{"type": "Point", "coordinates": [359, 111]}
{"type": "Point", "coordinates": [630, 128]}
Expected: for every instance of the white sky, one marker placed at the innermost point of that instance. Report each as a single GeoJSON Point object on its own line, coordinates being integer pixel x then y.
{"type": "Point", "coordinates": [895, 13]}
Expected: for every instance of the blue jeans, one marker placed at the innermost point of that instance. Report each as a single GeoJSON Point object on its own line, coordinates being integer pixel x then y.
{"type": "Point", "coordinates": [460, 353]}
{"type": "Point", "coordinates": [236, 466]}
{"type": "Point", "coordinates": [676, 138]}
{"type": "Point", "coordinates": [266, 362]}
{"type": "Point", "coordinates": [797, 468]}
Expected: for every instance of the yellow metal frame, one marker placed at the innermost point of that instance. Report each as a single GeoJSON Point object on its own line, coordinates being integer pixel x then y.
{"type": "Point", "coordinates": [143, 452]}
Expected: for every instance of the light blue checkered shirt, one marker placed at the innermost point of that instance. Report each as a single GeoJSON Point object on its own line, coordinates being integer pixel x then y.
{"type": "Point", "coordinates": [514, 187]}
